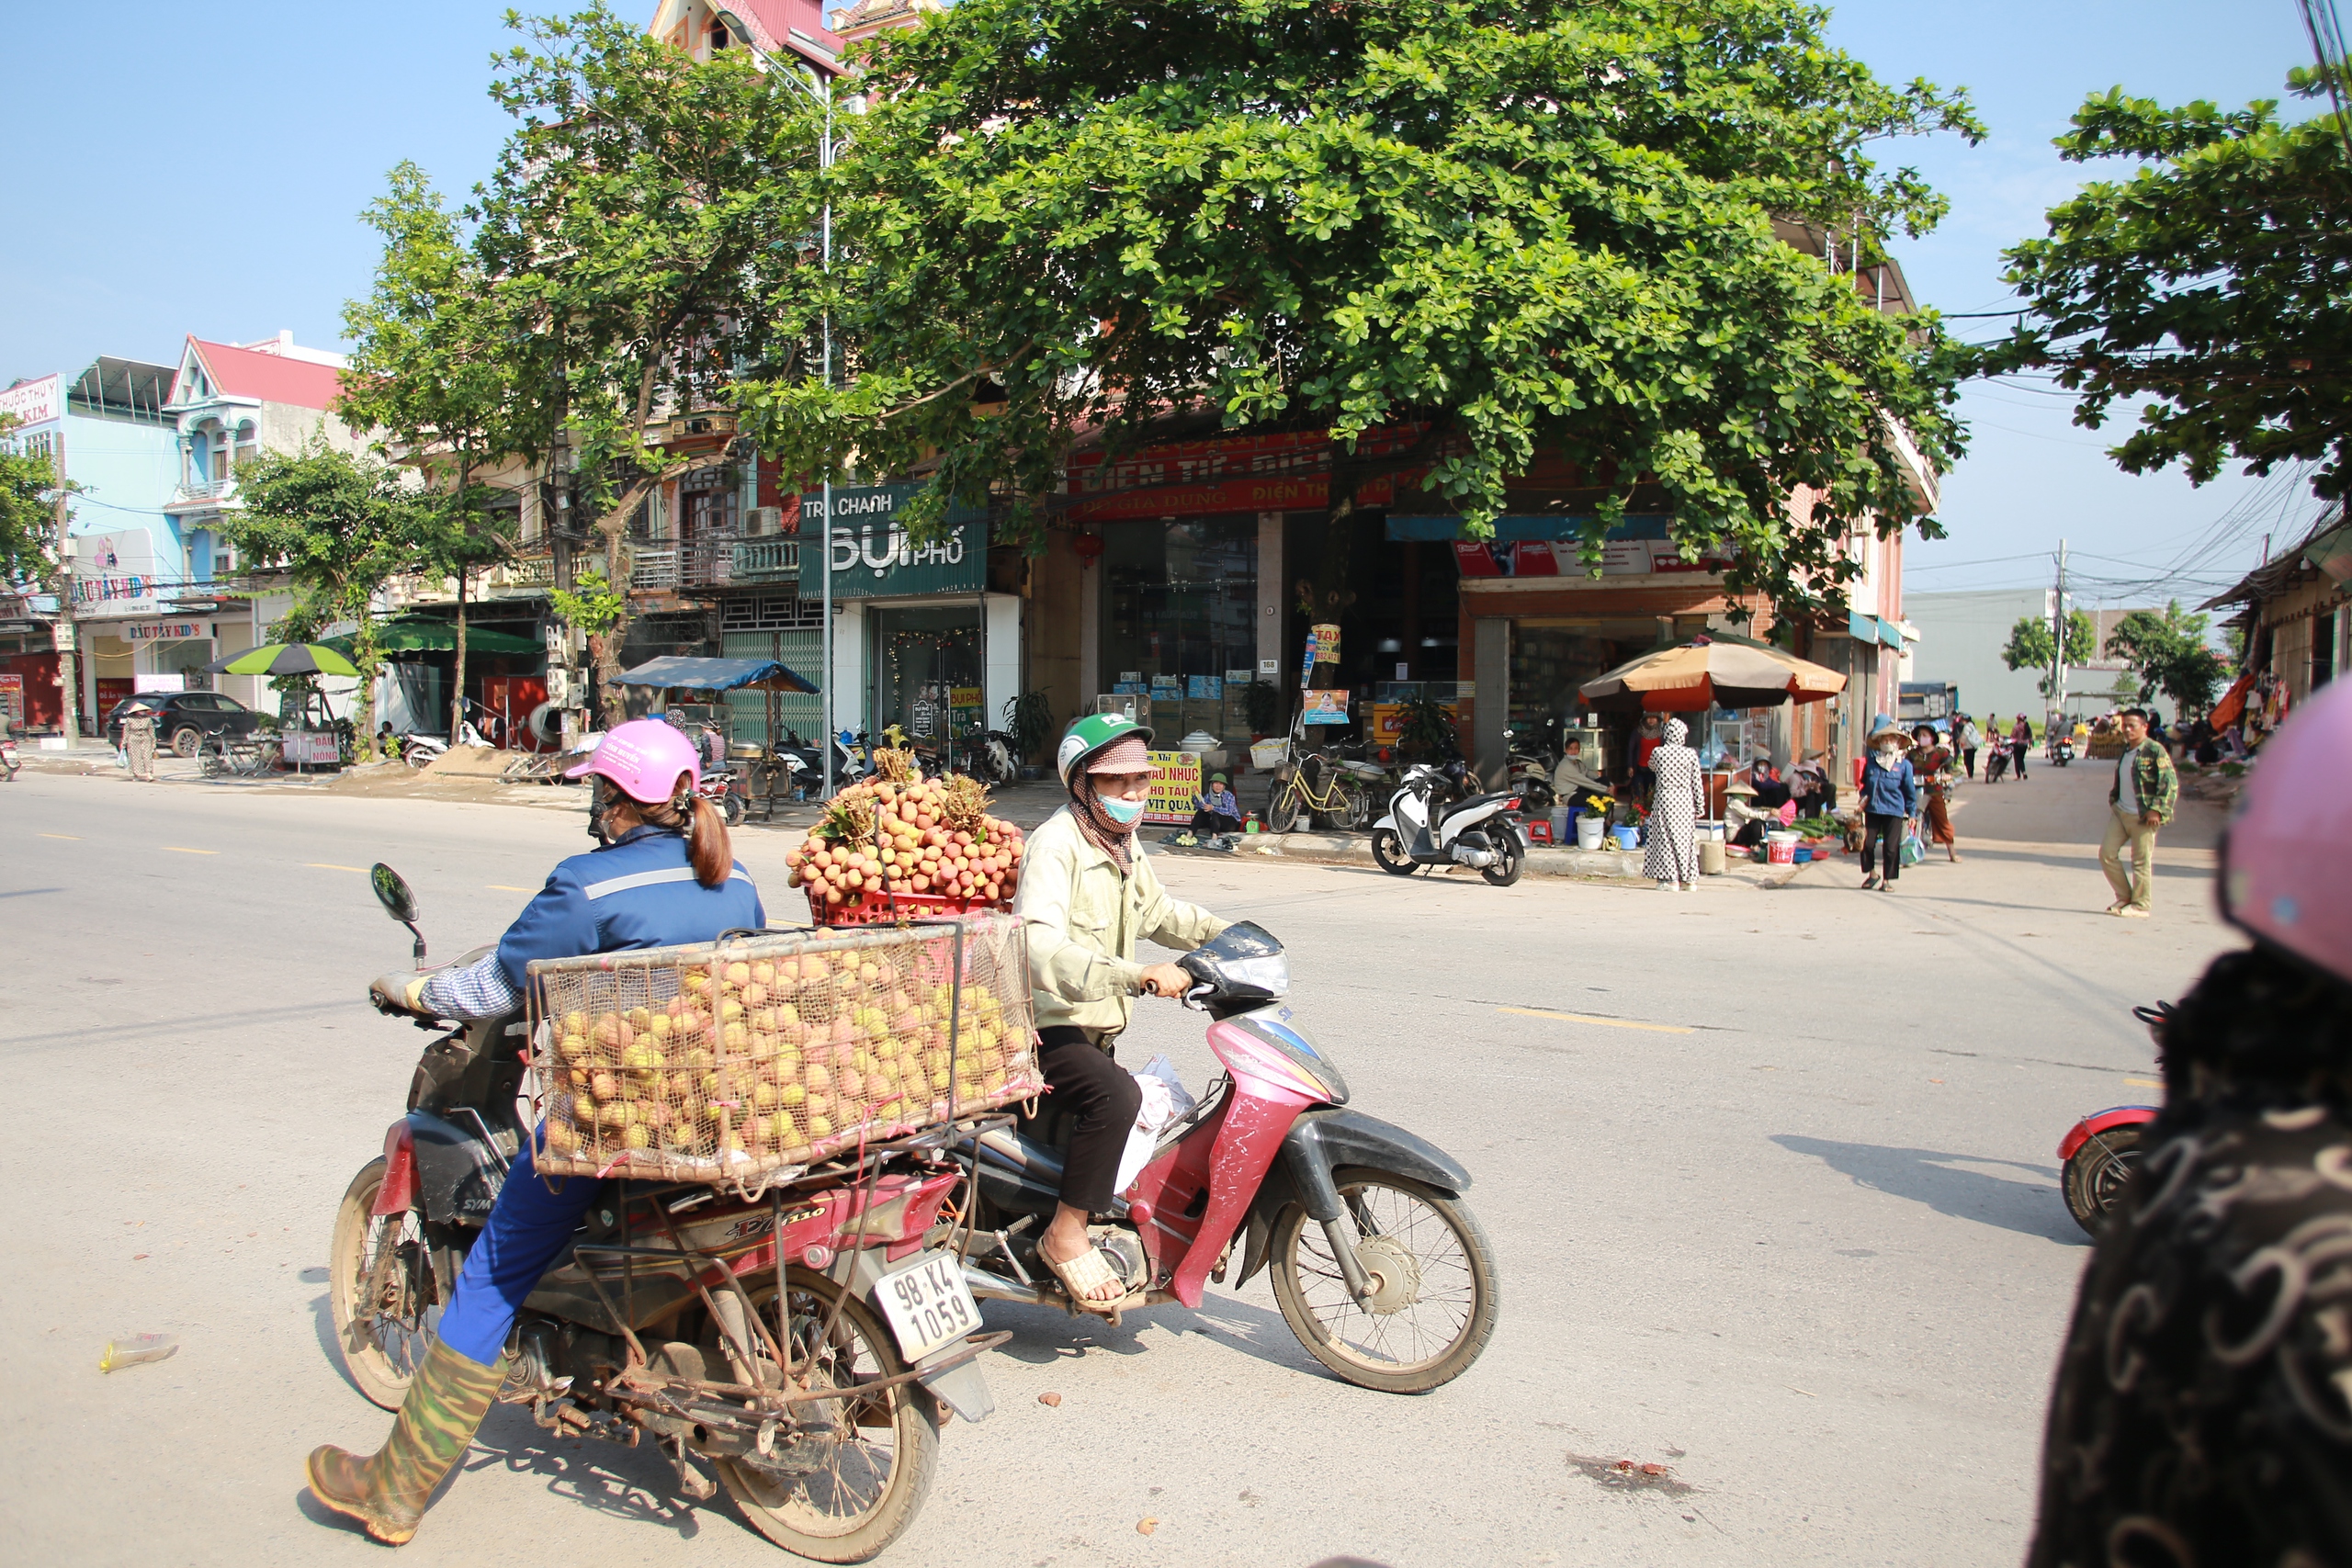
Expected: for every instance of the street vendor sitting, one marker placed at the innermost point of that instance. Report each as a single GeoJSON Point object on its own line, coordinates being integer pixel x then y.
{"type": "Point", "coordinates": [1772, 791]}
{"type": "Point", "coordinates": [1217, 810]}
{"type": "Point", "coordinates": [1570, 781]}
{"type": "Point", "coordinates": [1809, 787]}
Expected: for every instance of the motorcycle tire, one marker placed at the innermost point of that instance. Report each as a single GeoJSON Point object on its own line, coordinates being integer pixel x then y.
{"type": "Point", "coordinates": [1509, 863]}
{"type": "Point", "coordinates": [788, 1510]}
{"type": "Point", "coordinates": [1389, 852]}
{"type": "Point", "coordinates": [212, 761]}
{"type": "Point", "coordinates": [734, 809]}
{"type": "Point", "coordinates": [1327, 1319]}
{"type": "Point", "coordinates": [1282, 812]}
{"type": "Point", "coordinates": [380, 1362]}
{"type": "Point", "coordinates": [2095, 1177]}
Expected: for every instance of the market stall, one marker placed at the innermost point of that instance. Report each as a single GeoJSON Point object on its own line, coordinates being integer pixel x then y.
{"type": "Point", "coordinates": [702, 683]}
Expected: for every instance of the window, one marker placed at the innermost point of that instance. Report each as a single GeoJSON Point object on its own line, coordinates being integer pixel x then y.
{"type": "Point", "coordinates": [246, 446]}
{"type": "Point", "coordinates": [2323, 649]}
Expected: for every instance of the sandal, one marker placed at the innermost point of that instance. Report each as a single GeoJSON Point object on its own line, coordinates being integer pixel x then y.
{"type": "Point", "coordinates": [1088, 1272]}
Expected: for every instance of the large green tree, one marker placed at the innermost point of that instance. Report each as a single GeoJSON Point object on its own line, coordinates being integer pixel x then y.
{"type": "Point", "coordinates": [2207, 288]}
{"type": "Point", "coordinates": [338, 527]}
{"type": "Point", "coordinates": [645, 237]}
{"type": "Point", "coordinates": [2030, 644]}
{"type": "Point", "coordinates": [28, 510]}
{"type": "Point", "coordinates": [2168, 650]}
{"type": "Point", "coordinates": [1505, 229]}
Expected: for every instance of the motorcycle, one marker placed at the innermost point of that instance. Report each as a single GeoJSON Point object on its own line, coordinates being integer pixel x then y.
{"type": "Point", "coordinates": [2099, 1153]}
{"type": "Point", "coordinates": [995, 758]}
{"type": "Point", "coordinates": [419, 751]}
{"type": "Point", "coordinates": [850, 761]}
{"type": "Point", "coordinates": [1378, 1267]}
{"type": "Point", "coordinates": [2062, 749]}
{"type": "Point", "coordinates": [1424, 827]}
{"type": "Point", "coordinates": [801, 1341]}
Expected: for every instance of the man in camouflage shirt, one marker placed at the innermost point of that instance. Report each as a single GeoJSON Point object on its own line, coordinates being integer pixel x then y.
{"type": "Point", "coordinates": [2139, 801]}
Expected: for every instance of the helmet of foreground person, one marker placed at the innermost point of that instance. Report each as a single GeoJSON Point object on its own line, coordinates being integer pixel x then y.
{"type": "Point", "coordinates": [643, 759]}
{"type": "Point", "coordinates": [1090, 737]}
{"type": "Point", "coordinates": [2287, 855]}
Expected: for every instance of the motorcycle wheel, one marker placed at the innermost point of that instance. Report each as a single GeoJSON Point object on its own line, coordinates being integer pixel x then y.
{"type": "Point", "coordinates": [734, 809]}
{"type": "Point", "coordinates": [1434, 1308]}
{"type": "Point", "coordinates": [852, 1510]}
{"type": "Point", "coordinates": [1509, 863]}
{"type": "Point", "coordinates": [2095, 1177]}
{"type": "Point", "coordinates": [381, 1353]}
{"type": "Point", "coordinates": [1389, 852]}
{"type": "Point", "coordinates": [1282, 812]}
{"type": "Point", "coordinates": [212, 763]}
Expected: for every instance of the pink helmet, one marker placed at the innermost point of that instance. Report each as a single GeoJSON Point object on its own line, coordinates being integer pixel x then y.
{"type": "Point", "coordinates": [642, 758]}
{"type": "Point", "coordinates": [2290, 846]}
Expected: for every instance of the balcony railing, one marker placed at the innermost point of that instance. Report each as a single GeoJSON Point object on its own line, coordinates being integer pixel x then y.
{"type": "Point", "coordinates": [202, 490]}
{"type": "Point", "coordinates": [767, 560]}
{"type": "Point", "coordinates": [714, 561]}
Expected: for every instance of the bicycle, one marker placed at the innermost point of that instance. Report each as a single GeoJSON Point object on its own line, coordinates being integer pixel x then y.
{"type": "Point", "coordinates": [1318, 786]}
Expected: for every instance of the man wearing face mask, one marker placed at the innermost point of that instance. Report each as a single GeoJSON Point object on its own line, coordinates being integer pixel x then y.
{"type": "Point", "coordinates": [1890, 799]}
{"type": "Point", "coordinates": [1087, 896]}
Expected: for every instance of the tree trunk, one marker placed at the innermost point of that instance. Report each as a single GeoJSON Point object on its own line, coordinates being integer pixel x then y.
{"type": "Point", "coordinates": [458, 697]}
{"type": "Point", "coordinates": [363, 655]}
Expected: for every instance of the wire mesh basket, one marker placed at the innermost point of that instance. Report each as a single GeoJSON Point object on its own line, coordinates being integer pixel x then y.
{"type": "Point", "coordinates": [738, 1060]}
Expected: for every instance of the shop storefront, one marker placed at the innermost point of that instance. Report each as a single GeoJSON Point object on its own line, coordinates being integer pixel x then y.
{"type": "Point", "coordinates": [918, 641]}
{"type": "Point", "coordinates": [1180, 622]}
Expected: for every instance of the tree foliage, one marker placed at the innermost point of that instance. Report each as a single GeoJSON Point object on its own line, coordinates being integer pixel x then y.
{"type": "Point", "coordinates": [644, 237]}
{"type": "Point", "coordinates": [339, 527]}
{"type": "Point", "coordinates": [2030, 644]}
{"type": "Point", "coordinates": [1534, 227]}
{"type": "Point", "coordinates": [2169, 653]}
{"type": "Point", "coordinates": [2210, 282]}
{"type": "Point", "coordinates": [28, 510]}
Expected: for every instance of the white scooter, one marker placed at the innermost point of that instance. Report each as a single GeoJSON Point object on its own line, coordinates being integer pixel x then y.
{"type": "Point", "coordinates": [1483, 832]}
{"type": "Point", "coordinates": [420, 750]}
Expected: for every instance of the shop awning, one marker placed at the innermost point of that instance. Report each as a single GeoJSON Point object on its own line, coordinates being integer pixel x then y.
{"type": "Point", "coordinates": [715, 675]}
{"type": "Point", "coordinates": [425, 636]}
{"type": "Point", "coordinates": [1862, 627]}
{"type": "Point", "coordinates": [1890, 634]}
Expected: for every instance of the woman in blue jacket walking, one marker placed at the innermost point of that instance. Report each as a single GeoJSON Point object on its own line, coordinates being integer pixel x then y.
{"type": "Point", "coordinates": [1890, 799]}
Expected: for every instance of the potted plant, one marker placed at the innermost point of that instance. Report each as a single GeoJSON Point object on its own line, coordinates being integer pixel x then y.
{"type": "Point", "coordinates": [1592, 821]}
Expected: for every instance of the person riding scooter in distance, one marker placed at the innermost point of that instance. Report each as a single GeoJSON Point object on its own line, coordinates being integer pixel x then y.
{"type": "Point", "coordinates": [663, 874]}
{"type": "Point", "coordinates": [1087, 896]}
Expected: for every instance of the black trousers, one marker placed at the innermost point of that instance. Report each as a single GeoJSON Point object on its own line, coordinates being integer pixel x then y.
{"type": "Point", "coordinates": [1883, 832]}
{"type": "Point", "coordinates": [1969, 759]}
{"type": "Point", "coordinates": [1104, 1097]}
{"type": "Point", "coordinates": [1215, 822]}
{"type": "Point", "coordinates": [2018, 749]}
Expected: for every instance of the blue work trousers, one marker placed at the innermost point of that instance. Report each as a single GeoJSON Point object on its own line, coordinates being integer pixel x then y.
{"type": "Point", "coordinates": [528, 1227]}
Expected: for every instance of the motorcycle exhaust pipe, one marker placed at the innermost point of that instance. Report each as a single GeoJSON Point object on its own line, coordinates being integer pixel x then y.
{"type": "Point", "coordinates": [987, 1286]}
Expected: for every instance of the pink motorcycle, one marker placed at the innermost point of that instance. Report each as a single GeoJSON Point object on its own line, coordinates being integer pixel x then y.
{"type": "Point", "coordinates": [1378, 1267]}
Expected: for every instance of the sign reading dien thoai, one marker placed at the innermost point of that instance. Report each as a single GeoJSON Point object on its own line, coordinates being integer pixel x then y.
{"type": "Point", "coordinates": [873, 556]}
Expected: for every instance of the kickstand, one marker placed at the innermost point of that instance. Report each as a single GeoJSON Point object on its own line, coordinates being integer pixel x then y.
{"type": "Point", "coordinates": [690, 1480]}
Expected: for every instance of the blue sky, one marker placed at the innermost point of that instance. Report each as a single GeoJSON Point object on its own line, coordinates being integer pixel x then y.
{"type": "Point", "coordinates": [190, 168]}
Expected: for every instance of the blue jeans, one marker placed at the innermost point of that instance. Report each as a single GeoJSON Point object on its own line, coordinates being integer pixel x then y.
{"type": "Point", "coordinates": [528, 1227]}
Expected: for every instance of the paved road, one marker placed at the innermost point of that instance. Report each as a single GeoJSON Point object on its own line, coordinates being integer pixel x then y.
{"type": "Point", "coordinates": [1768, 1174]}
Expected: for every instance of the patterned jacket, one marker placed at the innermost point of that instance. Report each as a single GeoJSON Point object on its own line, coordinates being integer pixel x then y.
{"type": "Point", "coordinates": [2151, 776]}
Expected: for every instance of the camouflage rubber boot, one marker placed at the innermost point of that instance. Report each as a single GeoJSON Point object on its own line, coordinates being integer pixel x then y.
{"type": "Point", "coordinates": [387, 1492]}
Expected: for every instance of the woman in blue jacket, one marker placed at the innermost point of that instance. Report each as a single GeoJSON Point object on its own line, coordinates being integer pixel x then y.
{"type": "Point", "coordinates": [1890, 799]}
{"type": "Point", "coordinates": [663, 874]}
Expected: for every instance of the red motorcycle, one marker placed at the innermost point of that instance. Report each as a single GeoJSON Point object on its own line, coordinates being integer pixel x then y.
{"type": "Point", "coordinates": [1378, 1267]}
{"type": "Point", "coordinates": [2100, 1152]}
{"type": "Point", "coordinates": [800, 1339]}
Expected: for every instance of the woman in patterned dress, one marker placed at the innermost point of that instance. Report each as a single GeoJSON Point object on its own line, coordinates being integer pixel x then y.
{"type": "Point", "coordinates": [1675, 806]}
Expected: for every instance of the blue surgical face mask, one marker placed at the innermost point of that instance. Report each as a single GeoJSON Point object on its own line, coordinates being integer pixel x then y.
{"type": "Point", "coordinates": [1124, 812]}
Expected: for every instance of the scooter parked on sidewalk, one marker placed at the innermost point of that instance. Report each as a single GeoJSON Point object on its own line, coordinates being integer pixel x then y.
{"type": "Point", "coordinates": [1425, 827]}
{"type": "Point", "coordinates": [756, 1335]}
{"type": "Point", "coordinates": [1377, 1266]}
{"type": "Point", "coordinates": [2099, 1153]}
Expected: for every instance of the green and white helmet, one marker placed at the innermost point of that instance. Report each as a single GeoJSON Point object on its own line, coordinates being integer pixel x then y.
{"type": "Point", "coordinates": [1092, 735]}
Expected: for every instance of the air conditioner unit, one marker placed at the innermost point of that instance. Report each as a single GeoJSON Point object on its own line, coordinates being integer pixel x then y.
{"type": "Point", "coordinates": [767, 520]}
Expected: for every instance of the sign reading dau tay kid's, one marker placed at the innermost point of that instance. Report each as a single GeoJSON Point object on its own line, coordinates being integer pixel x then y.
{"type": "Point", "coordinates": [874, 556]}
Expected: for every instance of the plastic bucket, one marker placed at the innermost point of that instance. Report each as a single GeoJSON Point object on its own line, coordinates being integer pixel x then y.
{"type": "Point", "coordinates": [1780, 849]}
{"type": "Point", "coordinates": [1589, 832]}
{"type": "Point", "coordinates": [1627, 838]}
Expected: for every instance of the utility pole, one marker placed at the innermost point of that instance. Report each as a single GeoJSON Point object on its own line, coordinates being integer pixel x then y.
{"type": "Point", "coordinates": [2058, 641]}
{"type": "Point", "coordinates": [65, 633]}
{"type": "Point", "coordinates": [825, 522]}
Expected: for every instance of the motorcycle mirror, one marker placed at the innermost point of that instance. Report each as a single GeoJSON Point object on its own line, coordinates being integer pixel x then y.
{"type": "Point", "coordinates": [392, 891]}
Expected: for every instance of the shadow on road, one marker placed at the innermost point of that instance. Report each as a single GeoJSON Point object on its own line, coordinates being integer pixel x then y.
{"type": "Point", "coordinates": [1042, 1336]}
{"type": "Point", "coordinates": [1944, 1182]}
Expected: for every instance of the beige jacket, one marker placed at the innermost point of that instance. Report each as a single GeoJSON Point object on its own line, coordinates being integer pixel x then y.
{"type": "Point", "coordinates": [1083, 920]}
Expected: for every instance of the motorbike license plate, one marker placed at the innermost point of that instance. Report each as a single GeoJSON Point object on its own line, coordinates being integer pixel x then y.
{"type": "Point", "coordinates": [929, 1304]}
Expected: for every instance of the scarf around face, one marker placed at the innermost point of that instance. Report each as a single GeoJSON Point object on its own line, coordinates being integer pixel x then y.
{"type": "Point", "coordinates": [1112, 838]}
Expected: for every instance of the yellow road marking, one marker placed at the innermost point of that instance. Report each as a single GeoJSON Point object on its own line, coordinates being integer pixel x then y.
{"type": "Point", "coordinates": [502, 888]}
{"type": "Point", "coordinates": [329, 865]}
{"type": "Point", "coordinates": [1604, 1023]}
{"type": "Point", "coordinates": [178, 851]}
{"type": "Point", "coordinates": [2145, 1083]}
{"type": "Point", "coordinates": [75, 837]}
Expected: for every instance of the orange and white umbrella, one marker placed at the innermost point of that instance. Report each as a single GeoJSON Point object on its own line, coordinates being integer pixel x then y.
{"type": "Point", "coordinates": [1703, 673]}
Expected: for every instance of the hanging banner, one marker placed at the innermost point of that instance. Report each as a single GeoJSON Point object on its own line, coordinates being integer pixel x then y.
{"type": "Point", "coordinates": [1326, 707]}
{"type": "Point", "coordinates": [1175, 787]}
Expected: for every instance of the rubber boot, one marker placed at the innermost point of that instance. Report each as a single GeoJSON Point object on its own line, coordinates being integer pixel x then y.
{"type": "Point", "coordinates": [387, 1490]}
